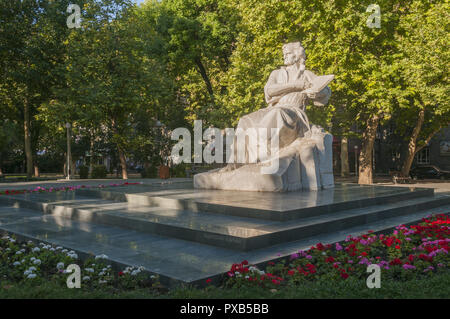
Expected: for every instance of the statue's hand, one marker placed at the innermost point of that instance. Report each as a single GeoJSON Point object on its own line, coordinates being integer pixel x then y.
{"type": "Point", "coordinates": [299, 85]}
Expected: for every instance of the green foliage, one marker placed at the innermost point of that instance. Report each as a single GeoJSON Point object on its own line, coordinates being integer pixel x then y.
{"type": "Point", "coordinates": [179, 170]}
{"type": "Point", "coordinates": [99, 172]}
{"type": "Point", "coordinates": [150, 172]}
{"type": "Point", "coordinates": [128, 68]}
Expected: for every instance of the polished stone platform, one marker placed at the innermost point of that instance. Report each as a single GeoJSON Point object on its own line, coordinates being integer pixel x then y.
{"type": "Point", "coordinates": [186, 235]}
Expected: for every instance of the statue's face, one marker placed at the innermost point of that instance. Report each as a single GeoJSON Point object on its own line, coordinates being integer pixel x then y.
{"type": "Point", "coordinates": [290, 56]}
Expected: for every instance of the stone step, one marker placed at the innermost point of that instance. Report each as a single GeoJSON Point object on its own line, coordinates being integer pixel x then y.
{"type": "Point", "coordinates": [176, 261]}
{"type": "Point", "coordinates": [230, 232]}
{"type": "Point", "coordinates": [258, 205]}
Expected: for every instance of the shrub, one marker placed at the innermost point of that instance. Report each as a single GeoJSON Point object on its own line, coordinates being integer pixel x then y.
{"type": "Point", "coordinates": [149, 172]}
{"type": "Point", "coordinates": [178, 170]}
{"type": "Point", "coordinates": [99, 171]}
{"type": "Point", "coordinates": [84, 172]}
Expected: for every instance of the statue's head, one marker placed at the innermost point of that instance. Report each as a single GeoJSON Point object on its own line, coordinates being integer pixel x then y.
{"type": "Point", "coordinates": [294, 52]}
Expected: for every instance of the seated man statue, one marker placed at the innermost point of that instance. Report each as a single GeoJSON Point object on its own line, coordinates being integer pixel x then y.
{"type": "Point", "coordinates": [303, 150]}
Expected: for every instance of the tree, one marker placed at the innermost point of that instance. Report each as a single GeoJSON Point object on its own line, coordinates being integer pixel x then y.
{"type": "Point", "coordinates": [196, 39]}
{"type": "Point", "coordinates": [423, 40]}
{"type": "Point", "coordinates": [112, 83]}
{"type": "Point", "coordinates": [31, 37]}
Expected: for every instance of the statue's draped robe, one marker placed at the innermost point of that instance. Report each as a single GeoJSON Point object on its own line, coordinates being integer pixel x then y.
{"type": "Point", "coordinates": [285, 112]}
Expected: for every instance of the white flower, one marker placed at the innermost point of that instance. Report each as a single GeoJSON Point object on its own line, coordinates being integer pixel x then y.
{"type": "Point", "coordinates": [152, 276]}
{"type": "Point", "coordinates": [8, 249]}
{"type": "Point", "coordinates": [64, 250]}
{"type": "Point", "coordinates": [58, 248]}
{"type": "Point", "coordinates": [101, 273]}
{"type": "Point", "coordinates": [36, 249]}
{"type": "Point", "coordinates": [102, 256]}
{"type": "Point", "coordinates": [32, 258]}
{"type": "Point", "coordinates": [74, 256]}
{"type": "Point", "coordinates": [31, 276]}
{"type": "Point", "coordinates": [27, 272]}
{"type": "Point", "coordinates": [324, 253]}
{"type": "Point", "coordinates": [102, 281]}
{"type": "Point", "coordinates": [17, 263]}
{"type": "Point", "coordinates": [60, 266]}
{"type": "Point", "coordinates": [52, 249]}
{"type": "Point", "coordinates": [135, 272]}
{"type": "Point", "coordinates": [32, 268]}
{"type": "Point", "coordinates": [85, 278]}
{"type": "Point", "coordinates": [89, 270]}
{"type": "Point", "coordinates": [37, 262]}
{"type": "Point", "coordinates": [12, 240]}
{"type": "Point", "coordinates": [18, 252]}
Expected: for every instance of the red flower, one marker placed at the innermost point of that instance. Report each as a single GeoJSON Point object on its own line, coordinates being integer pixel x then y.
{"type": "Point", "coordinates": [291, 272]}
{"type": "Point", "coordinates": [329, 259]}
{"type": "Point", "coordinates": [397, 247]}
{"type": "Point", "coordinates": [396, 261]}
{"type": "Point", "coordinates": [208, 280]}
{"type": "Point", "coordinates": [344, 275]}
{"type": "Point", "coordinates": [120, 273]}
{"type": "Point", "coordinates": [245, 262]}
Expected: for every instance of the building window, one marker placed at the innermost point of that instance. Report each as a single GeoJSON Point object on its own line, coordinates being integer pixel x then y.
{"type": "Point", "coordinates": [423, 156]}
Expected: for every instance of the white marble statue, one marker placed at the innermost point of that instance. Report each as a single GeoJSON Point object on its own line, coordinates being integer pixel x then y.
{"type": "Point", "coordinates": [304, 157]}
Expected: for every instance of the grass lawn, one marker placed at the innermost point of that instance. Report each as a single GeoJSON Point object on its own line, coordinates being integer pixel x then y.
{"type": "Point", "coordinates": [437, 286]}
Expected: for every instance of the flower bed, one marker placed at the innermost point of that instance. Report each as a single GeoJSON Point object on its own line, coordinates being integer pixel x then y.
{"type": "Point", "coordinates": [408, 253]}
{"type": "Point", "coordinates": [37, 264]}
{"type": "Point", "coordinates": [40, 189]}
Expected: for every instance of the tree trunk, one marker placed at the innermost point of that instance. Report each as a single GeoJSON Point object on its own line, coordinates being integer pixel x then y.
{"type": "Point", "coordinates": [91, 158]}
{"type": "Point", "coordinates": [27, 140]}
{"type": "Point", "coordinates": [411, 151]}
{"type": "Point", "coordinates": [123, 163]}
{"type": "Point", "coordinates": [36, 170]}
{"type": "Point", "coordinates": [366, 155]}
{"type": "Point", "coordinates": [345, 169]}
